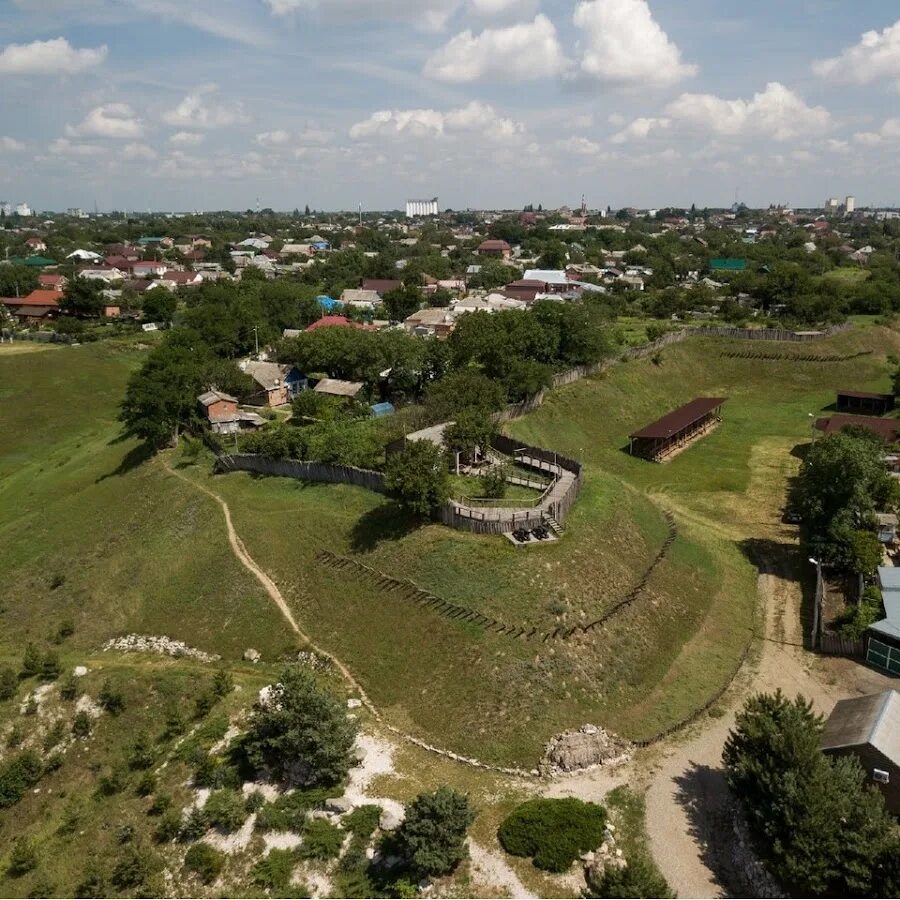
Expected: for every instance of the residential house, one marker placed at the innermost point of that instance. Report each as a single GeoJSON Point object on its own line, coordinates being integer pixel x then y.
{"type": "Point", "coordinates": [431, 320]}
{"type": "Point", "coordinates": [883, 637]}
{"type": "Point", "coordinates": [102, 273]}
{"type": "Point", "coordinates": [494, 248]}
{"type": "Point", "coordinates": [887, 527]}
{"type": "Point", "coordinates": [85, 256]}
{"type": "Point", "coordinates": [182, 279]}
{"type": "Point", "coordinates": [52, 282]}
{"type": "Point", "coordinates": [38, 306]}
{"type": "Point", "coordinates": [380, 286]}
{"type": "Point", "coordinates": [336, 387]}
{"type": "Point", "coordinates": [35, 245]}
{"type": "Point", "coordinates": [147, 268]}
{"type": "Point", "coordinates": [868, 728]}
{"type": "Point", "coordinates": [277, 383]}
{"type": "Point", "coordinates": [222, 413]}
{"type": "Point", "coordinates": [360, 299]}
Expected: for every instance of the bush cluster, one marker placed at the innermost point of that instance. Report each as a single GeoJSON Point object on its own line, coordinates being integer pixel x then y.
{"type": "Point", "coordinates": [554, 833]}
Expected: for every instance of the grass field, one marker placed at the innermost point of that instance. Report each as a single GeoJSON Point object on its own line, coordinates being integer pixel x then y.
{"type": "Point", "coordinates": [97, 536]}
{"type": "Point", "coordinates": [94, 533]}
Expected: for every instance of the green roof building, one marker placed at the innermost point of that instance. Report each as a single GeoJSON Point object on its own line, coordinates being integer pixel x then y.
{"type": "Point", "coordinates": [725, 264]}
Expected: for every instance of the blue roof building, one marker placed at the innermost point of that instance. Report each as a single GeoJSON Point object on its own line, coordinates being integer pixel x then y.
{"type": "Point", "coordinates": [328, 303]}
{"type": "Point", "coordinates": [382, 409]}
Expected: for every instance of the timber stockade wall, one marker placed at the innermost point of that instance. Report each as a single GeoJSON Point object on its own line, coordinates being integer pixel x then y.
{"type": "Point", "coordinates": [568, 476]}
{"type": "Point", "coordinates": [557, 502]}
{"type": "Point", "coordinates": [305, 471]}
{"type": "Point", "coordinates": [517, 410]}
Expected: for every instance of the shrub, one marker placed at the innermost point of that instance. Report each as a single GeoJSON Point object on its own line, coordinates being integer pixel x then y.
{"type": "Point", "coordinates": [204, 704]}
{"type": "Point", "coordinates": [493, 482]}
{"type": "Point", "coordinates": [174, 724]}
{"type": "Point", "coordinates": [50, 666]}
{"type": "Point", "coordinates": [214, 772]}
{"type": "Point", "coordinates": [17, 775]}
{"type": "Point", "coordinates": [169, 827]}
{"type": "Point", "coordinates": [112, 782]}
{"type": "Point", "coordinates": [223, 683]}
{"type": "Point", "coordinates": [68, 688]}
{"type": "Point", "coordinates": [639, 878]}
{"type": "Point", "coordinates": [66, 629]}
{"type": "Point", "coordinates": [274, 870]}
{"type": "Point", "coordinates": [92, 882]}
{"type": "Point", "coordinates": [553, 832]}
{"type": "Point", "coordinates": [160, 804]}
{"type": "Point", "coordinates": [81, 724]}
{"type": "Point", "coordinates": [432, 836]}
{"type": "Point", "coordinates": [225, 810]}
{"type": "Point", "coordinates": [54, 736]}
{"type": "Point", "coordinates": [255, 802]}
{"type": "Point", "coordinates": [140, 754]}
{"type": "Point", "coordinates": [194, 826]}
{"type": "Point", "coordinates": [302, 732]}
{"type": "Point", "coordinates": [111, 698]}
{"type": "Point", "coordinates": [289, 811]}
{"type": "Point", "coordinates": [133, 868]}
{"type": "Point", "coordinates": [204, 861]}
{"type": "Point", "coordinates": [321, 840]}
{"type": "Point", "coordinates": [855, 619]}
{"type": "Point", "coordinates": [8, 683]}
{"type": "Point", "coordinates": [146, 785]}
{"type": "Point", "coordinates": [23, 857]}
{"type": "Point", "coordinates": [363, 820]}
{"type": "Point", "coordinates": [31, 661]}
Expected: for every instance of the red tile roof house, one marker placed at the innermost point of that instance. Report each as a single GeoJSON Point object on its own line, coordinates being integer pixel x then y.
{"type": "Point", "coordinates": [35, 244]}
{"type": "Point", "coordinates": [52, 282]}
{"type": "Point", "coordinates": [494, 248]}
{"type": "Point", "coordinates": [338, 322]}
{"type": "Point", "coordinates": [182, 279]}
{"type": "Point", "coordinates": [37, 306]}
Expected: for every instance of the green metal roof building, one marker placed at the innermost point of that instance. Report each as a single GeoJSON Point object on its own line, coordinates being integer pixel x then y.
{"type": "Point", "coordinates": [725, 264]}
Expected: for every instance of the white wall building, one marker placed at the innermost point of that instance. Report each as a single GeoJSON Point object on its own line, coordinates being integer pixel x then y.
{"type": "Point", "coordinates": [421, 208]}
{"type": "Point", "coordinates": [850, 205]}
{"type": "Point", "coordinates": [23, 209]}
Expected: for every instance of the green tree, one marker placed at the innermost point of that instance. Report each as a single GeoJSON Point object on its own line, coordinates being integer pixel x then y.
{"type": "Point", "coordinates": [432, 836]}
{"type": "Point", "coordinates": [472, 429]}
{"type": "Point", "coordinates": [23, 857]}
{"type": "Point", "coordinates": [159, 305]}
{"type": "Point", "coordinates": [402, 302]}
{"type": "Point", "coordinates": [465, 388]}
{"type": "Point", "coordinates": [822, 830]}
{"type": "Point", "coordinates": [17, 280]}
{"type": "Point", "coordinates": [418, 477]}
{"type": "Point", "coordinates": [83, 297]}
{"type": "Point", "coordinates": [301, 732]}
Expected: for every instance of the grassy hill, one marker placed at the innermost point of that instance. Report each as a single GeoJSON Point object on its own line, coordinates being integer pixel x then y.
{"type": "Point", "coordinates": [100, 541]}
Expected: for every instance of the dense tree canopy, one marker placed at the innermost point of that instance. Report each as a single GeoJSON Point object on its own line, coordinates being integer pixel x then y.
{"type": "Point", "coordinates": [822, 831]}
{"type": "Point", "coordinates": [432, 836]}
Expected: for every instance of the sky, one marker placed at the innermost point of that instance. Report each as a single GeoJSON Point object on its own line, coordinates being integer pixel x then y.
{"type": "Point", "coordinates": [188, 105]}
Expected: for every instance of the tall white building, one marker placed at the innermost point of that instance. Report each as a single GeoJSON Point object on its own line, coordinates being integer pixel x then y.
{"type": "Point", "coordinates": [832, 204]}
{"type": "Point", "coordinates": [850, 205]}
{"type": "Point", "coordinates": [421, 208]}
{"type": "Point", "coordinates": [23, 209]}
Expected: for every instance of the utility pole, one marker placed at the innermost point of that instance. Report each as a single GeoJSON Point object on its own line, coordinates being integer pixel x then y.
{"type": "Point", "coordinates": [256, 337]}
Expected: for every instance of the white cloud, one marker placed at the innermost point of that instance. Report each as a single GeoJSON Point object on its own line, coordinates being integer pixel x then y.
{"type": "Point", "coordinates": [113, 120]}
{"type": "Point", "coordinates": [272, 138]}
{"type": "Point", "coordinates": [138, 151]}
{"type": "Point", "coordinates": [430, 14]}
{"type": "Point", "coordinates": [639, 129]}
{"type": "Point", "coordinates": [195, 112]}
{"type": "Point", "coordinates": [876, 56]}
{"type": "Point", "coordinates": [53, 57]}
{"type": "Point", "coordinates": [186, 138]}
{"type": "Point", "coordinates": [889, 132]}
{"type": "Point", "coordinates": [525, 51]}
{"type": "Point", "coordinates": [777, 113]}
{"type": "Point", "coordinates": [474, 117]}
{"type": "Point", "coordinates": [11, 145]}
{"type": "Point", "coordinates": [65, 147]}
{"type": "Point", "coordinates": [314, 135]}
{"type": "Point", "coordinates": [624, 44]}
